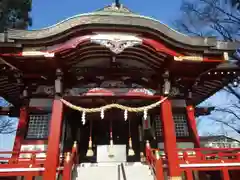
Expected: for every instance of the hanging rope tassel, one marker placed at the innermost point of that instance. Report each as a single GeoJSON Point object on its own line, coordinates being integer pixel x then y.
{"type": "Point", "coordinates": [130, 149]}
{"type": "Point", "coordinates": [140, 133]}
{"type": "Point", "coordinates": [110, 148]}
{"type": "Point", "coordinates": [90, 152]}
{"type": "Point", "coordinates": [142, 157]}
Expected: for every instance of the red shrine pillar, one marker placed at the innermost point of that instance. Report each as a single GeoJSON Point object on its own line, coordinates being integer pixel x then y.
{"type": "Point", "coordinates": [52, 156]}
{"type": "Point", "coordinates": [21, 130]}
{"type": "Point", "coordinates": [193, 125]}
{"type": "Point", "coordinates": [170, 142]}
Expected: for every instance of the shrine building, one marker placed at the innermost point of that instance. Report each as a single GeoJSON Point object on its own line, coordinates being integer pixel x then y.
{"type": "Point", "coordinates": [112, 94]}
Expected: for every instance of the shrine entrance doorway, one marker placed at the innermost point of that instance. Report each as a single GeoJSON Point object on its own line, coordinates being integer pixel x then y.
{"type": "Point", "coordinates": [99, 130]}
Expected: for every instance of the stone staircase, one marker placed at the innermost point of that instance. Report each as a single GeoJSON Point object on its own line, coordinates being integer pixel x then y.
{"type": "Point", "coordinates": [138, 171]}
{"type": "Point", "coordinates": [113, 171]}
{"type": "Point", "coordinates": [96, 171]}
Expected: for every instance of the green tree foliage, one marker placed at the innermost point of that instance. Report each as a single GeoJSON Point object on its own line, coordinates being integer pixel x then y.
{"type": "Point", "coordinates": [15, 14]}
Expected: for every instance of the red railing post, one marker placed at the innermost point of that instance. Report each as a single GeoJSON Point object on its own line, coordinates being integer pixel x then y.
{"type": "Point", "coordinates": [225, 174]}
{"type": "Point", "coordinates": [32, 163]}
{"type": "Point", "coordinates": [33, 158]}
{"type": "Point", "coordinates": [67, 169]}
{"type": "Point", "coordinates": [29, 177]}
{"type": "Point", "coordinates": [189, 174]}
{"type": "Point", "coordinates": [198, 154]}
{"type": "Point", "coordinates": [148, 152]}
{"type": "Point", "coordinates": [21, 130]}
{"type": "Point", "coordinates": [75, 152]}
{"type": "Point", "coordinates": [185, 156]}
{"type": "Point", "coordinates": [158, 166]}
{"type": "Point", "coordinates": [69, 160]}
{"type": "Point", "coordinates": [193, 125]}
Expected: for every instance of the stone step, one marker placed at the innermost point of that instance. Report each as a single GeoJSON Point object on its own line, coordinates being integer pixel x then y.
{"type": "Point", "coordinates": [97, 172]}
{"type": "Point", "coordinates": [140, 172]}
{"type": "Point", "coordinates": [112, 171]}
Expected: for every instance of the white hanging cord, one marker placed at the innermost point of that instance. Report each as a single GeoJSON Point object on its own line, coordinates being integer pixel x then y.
{"type": "Point", "coordinates": [83, 117]}
{"type": "Point", "coordinates": [102, 113]}
{"type": "Point", "coordinates": [145, 114]}
{"type": "Point", "coordinates": [125, 115]}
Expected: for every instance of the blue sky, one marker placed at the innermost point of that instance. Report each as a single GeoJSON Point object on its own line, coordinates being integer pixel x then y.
{"type": "Point", "coordinates": [221, 99]}
{"type": "Point", "coordinates": [48, 12]}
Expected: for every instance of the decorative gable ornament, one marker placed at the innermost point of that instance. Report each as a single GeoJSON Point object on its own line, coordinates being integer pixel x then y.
{"type": "Point", "coordinates": [116, 43]}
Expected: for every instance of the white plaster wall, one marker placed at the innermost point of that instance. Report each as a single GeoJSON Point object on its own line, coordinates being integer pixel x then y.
{"type": "Point", "coordinates": [180, 145]}
{"type": "Point", "coordinates": [41, 102]}
{"type": "Point", "coordinates": [178, 103]}
{"type": "Point", "coordinates": [33, 147]}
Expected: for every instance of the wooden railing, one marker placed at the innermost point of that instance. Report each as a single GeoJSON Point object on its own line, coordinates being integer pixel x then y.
{"type": "Point", "coordinates": [196, 159]}
{"type": "Point", "coordinates": [206, 155]}
{"type": "Point", "coordinates": [206, 159]}
{"type": "Point", "coordinates": [18, 165]}
{"type": "Point", "coordinates": [24, 163]}
{"type": "Point", "coordinates": [28, 163]}
{"type": "Point", "coordinates": [20, 158]}
{"type": "Point", "coordinates": [154, 161]}
{"type": "Point", "coordinates": [70, 160]}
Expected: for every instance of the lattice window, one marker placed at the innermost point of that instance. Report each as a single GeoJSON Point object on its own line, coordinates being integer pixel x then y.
{"type": "Point", "coordinates": [181, 126]}
{"type": "Point", "coordinates": [38, 126]}
{"type": "Point", "coordinates": [158, 126]}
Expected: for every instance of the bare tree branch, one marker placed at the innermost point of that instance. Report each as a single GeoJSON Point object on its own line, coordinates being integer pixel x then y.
{"type": "Point", "coordinates": [229, 111]}
{"type": "Point", "coordinates": [218, 18]}
{"type": "Point", "coordinates": [7, 125]}
{"type": "Point", "coordinates": [210, 17]}
{"type": "Point", "coordinates": [236, 106]}
{"type": "Point", "coordinates": [226, 124]}
{"type": "Point", "coordinates": [232, 91]}
{"type": "Point", "coordinates": [236, 3]}
{"type": "Point", "coordinates": [215, 5]}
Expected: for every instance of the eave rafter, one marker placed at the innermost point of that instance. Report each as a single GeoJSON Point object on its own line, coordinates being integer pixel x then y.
{"type": "Point", "coordinates": [128, 54]}
{"type": "Point", "coordinates": [11, 85]}
{"type": "Point", "coordinates": [212, 82]}
{"type": "Point", "coordinates": [154, 55]}
{"type": "Point", "coordinates": [129, 81]}
{"type": "Point", "coordinates": [117, 43]}
{"type": "Point", "coordinates": [141, 76]}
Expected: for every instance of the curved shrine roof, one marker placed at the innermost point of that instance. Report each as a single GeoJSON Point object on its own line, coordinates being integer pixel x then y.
{"type": "Point", "coordinates": [113, 44]}
{"type": "Point", "coordinates": [113, 16]}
